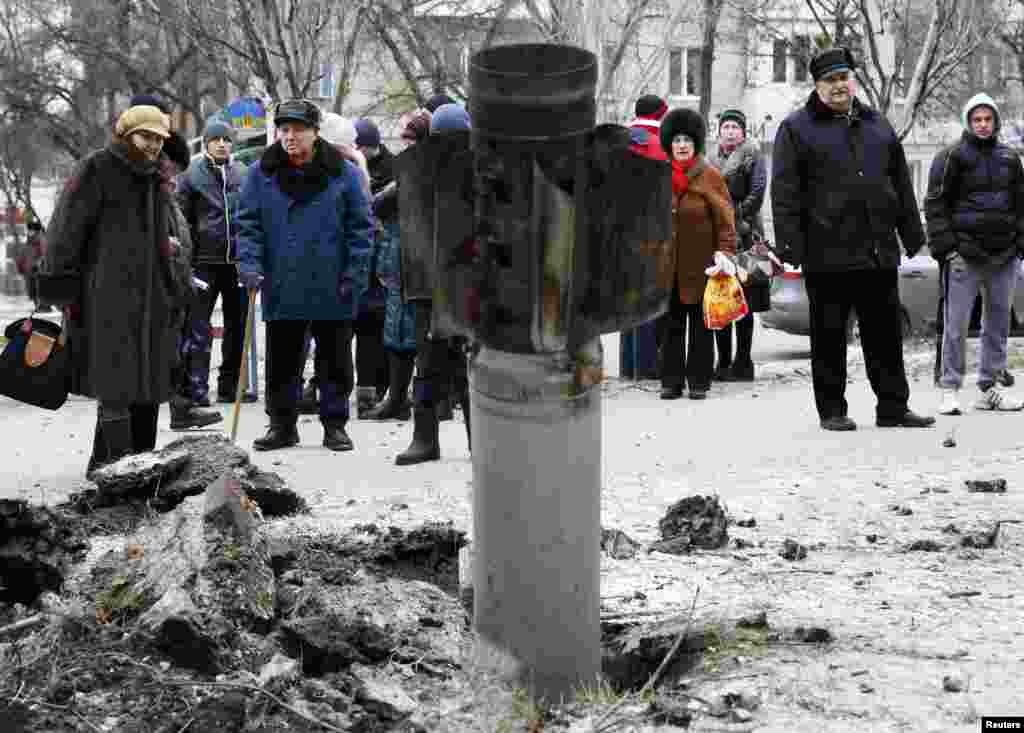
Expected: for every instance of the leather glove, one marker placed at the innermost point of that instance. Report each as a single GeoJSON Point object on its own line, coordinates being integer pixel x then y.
{"type": "Point", "coordinates": [722, 265]}
{"type": "Point", "coordinates": [250, 280]}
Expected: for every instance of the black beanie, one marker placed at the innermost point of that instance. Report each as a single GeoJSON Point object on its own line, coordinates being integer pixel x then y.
{"type": "Point", "coordinates": [687, 122]}
{"type": "Point", "coordinates": [733, 115]}
{"type": "Point", "coordinates": [650, 105]}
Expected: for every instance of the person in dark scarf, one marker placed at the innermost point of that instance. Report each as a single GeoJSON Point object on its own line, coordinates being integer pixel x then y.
{"type": "Point", "coordinates": [304, 231]}
{"type": "Point", "coordinates": [118, 262]}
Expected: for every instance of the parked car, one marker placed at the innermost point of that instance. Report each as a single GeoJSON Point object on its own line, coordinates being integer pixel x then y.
{"type": "Point", "coordinates": [919, 296]}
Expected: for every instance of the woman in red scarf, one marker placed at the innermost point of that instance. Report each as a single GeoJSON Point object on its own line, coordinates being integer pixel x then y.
{"type": "Point", "coordinates": [703, 224]}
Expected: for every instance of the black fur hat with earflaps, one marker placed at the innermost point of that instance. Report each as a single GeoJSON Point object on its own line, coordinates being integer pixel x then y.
{"type": "Point", "coordinates": [687, 122]}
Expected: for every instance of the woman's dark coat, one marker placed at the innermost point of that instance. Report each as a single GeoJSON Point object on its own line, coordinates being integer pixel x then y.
{"type": "Point", "coordinates": [109, 233]}
{"type": "Point", "coordinates": [746, 177]}
{"type": "Point", "coordinates": [841, 190]}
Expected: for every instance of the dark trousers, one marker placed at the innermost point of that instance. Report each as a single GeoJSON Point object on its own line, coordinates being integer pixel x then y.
{"type": "Point", "coordinates": [687, 346]}
{"type": "Point", "coordinates": [874, 295]}
{"type": "Point", "coordinates": [440, 363]}
{"type": "Point", "coordinates": [285, 361]}
{"type": "Point", "coordinates": [223, 280]}
{"type": "Point", "coordinates": [371, 359]}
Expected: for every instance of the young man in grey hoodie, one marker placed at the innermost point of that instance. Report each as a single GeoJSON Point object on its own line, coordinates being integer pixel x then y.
{"type": "Point", "coordinates": [975, 215]}
{"type": "Point", "coordinates": [208, 194]}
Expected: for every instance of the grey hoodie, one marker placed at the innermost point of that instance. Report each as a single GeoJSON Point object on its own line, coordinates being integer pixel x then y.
{"type": "Point", "coordinates": [980, 100]}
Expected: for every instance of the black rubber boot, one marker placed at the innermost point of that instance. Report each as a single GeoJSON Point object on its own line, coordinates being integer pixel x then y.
{"type": "Point", "coordinates": [396, 405]}
{"type": "Point", "coordinates": [335, 437]}
{"type": "Point", "coordinates": [185, 414]}
{"type": "Point", "coordinates": [282, 433]}
{"type": "Point", "coordinates": [424, 446]}
{"type": "Point", "coordinates": [111, 442]}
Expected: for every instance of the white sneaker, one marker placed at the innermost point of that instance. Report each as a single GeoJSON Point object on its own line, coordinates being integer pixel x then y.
{"type": "Point", "coordinates": [950, 402]}
{"type": "Point", "coordinates": [994, 399]}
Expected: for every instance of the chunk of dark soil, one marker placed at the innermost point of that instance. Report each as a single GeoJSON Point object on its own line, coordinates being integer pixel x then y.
{"type": "Point", "coordinates": [618, 545]}
{"type": "Point", "coordinates": [792, 550]}
{"type": "Point", "coordinates": [272, 494]}
{"type": "Point", "coordinates": [693, 522]}
{"type": "Point", "coordinates": [986, 486]}
{"type": "Point", "coordinates": [333, 643]}
{"type": "Point", "coordinates": [813, 635]}
{"type": "Point", "coordinates": [924, 546]}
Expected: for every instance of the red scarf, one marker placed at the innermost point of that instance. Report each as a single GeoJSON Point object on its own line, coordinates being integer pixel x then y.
{"type": "Point", "coordinates": [680, 177]}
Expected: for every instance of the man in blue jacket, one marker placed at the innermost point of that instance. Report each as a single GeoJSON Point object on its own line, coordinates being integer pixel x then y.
{"type": "Point", "coordinates": [304, 239]}
{"type": "Point", "coordinates": [841, 192]}
{"type": "Point", "coordinates": [208, 194]}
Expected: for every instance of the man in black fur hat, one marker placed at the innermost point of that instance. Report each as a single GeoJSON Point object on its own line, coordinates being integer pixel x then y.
{"type": "Point", "coordinates": [841, 191]}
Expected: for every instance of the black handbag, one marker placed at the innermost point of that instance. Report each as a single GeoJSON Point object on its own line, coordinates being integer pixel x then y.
{"type": "Point", "coordinates": [35, 365]}
{"type": "Point", "coordinates": [758, 265]}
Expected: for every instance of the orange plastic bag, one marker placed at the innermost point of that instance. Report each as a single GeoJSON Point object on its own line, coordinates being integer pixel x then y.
{"type": "Point", "coordinates": [723, 301]}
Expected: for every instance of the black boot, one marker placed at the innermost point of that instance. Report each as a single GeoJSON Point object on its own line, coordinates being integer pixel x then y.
{"type": "Point", "coordinates": [335, 437]}
{"type": "Point", "coordinates": [424, 446]}
{"type": "Point", "coordinates": [144, 427]}
{"type": "Point", "coordinates": [396, 405]}
{"type": "Point", "coordinates": [743, 365]}
{"type": "Point", "coordinates": [111, 442]}
{"type": "Point", "coordinates": [185, 414]}
{"type": "Point", "coordinates": [282, 433]}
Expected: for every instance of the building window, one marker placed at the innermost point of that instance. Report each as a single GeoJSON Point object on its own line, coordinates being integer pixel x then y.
{"type": "Point", "coordinates": [779, 48]}
{"type": "Point", "coordinates": [327, 80]}
{"type": "Point", "coordinates": [693, 71]}
{"type": "Point", "coordinates": [675, 71]}
{"type": "Point", "coordinates": [801, 57]}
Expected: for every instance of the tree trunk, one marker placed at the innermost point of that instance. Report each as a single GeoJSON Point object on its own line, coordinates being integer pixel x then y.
{"type": "Point", "coordinates": [712, 13]}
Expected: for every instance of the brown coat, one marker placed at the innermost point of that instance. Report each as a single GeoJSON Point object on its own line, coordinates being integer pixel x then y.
{"type": "Point", "coordinates": [702, 223]}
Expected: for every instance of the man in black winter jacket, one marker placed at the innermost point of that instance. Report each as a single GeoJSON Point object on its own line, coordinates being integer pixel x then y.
{"type": "Point", "coordinates": [975, 212]}
{"type": "Point", "coordinates": [841, 191]}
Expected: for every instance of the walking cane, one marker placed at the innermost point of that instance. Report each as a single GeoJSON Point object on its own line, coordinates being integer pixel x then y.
{"type": "Point", "coordinates": [243, 378]}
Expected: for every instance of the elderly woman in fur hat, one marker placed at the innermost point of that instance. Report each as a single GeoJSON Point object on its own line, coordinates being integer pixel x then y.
{"type": "Point", "coordinates": [745, 173]}
{"type": "Point", "coordinates": [704, 233]}
{"type": "Point", "coordinates": [118, 261]}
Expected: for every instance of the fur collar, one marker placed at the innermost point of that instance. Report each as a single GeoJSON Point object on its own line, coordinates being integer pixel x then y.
{"type": "Point", "coordinates": [302, 184]}
{"type": "Point", "coordinates": [324, 156]}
